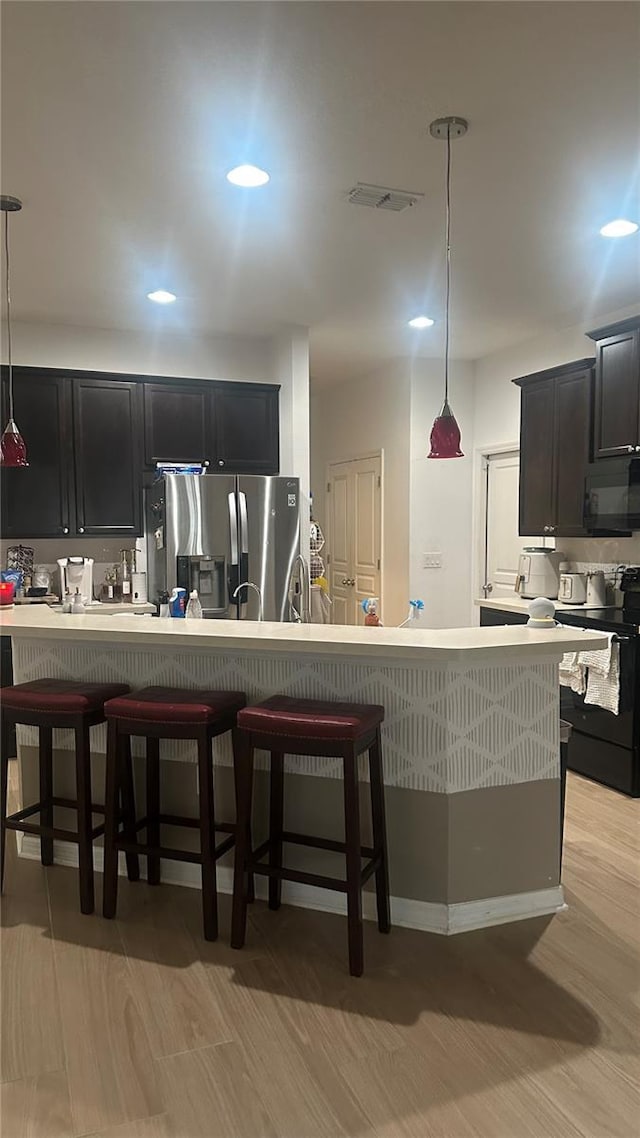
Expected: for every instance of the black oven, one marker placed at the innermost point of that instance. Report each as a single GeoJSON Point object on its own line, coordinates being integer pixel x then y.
{"type": "Point", "coordinates": [604, 746]}
{"type": "Point", "coordinates": [612, 498]}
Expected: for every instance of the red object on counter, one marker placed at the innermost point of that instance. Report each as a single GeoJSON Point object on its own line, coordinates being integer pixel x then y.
{"type": "Point", "coordinates": [7, 592]}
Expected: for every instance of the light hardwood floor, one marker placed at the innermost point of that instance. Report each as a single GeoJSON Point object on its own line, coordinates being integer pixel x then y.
{"type": "Point", "coordinates": [140, 1029]}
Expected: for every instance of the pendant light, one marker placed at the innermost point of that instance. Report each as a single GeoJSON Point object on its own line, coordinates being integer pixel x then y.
{"type": "Point", "coordinates": [445, 433]}
{"type": "Point", "coordinates": [13, 451]}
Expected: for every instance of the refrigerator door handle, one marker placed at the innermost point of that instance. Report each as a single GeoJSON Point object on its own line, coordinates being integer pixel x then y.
{"type": "Point", "coordinates": [244, 529]}
{"type": "Point", "coordinates": [233, 529]}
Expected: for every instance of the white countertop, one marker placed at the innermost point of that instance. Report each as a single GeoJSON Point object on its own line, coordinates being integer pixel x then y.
{"type": "Point", "coordinates": [428, 645]}
{"type": "Point", "coordinates": [519, 604]}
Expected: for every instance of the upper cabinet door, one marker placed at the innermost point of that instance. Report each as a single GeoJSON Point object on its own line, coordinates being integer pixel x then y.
{"type": "Point", "coordinates": [537, 497]}
{"type": "Point", "coordinates": [572, 436]}
{"type": "Point", "coordinates": [617, 393]}
{"type": "Point", "coordinates": [36, 499]}
{"type": "Point", "coordinates": [175, 422]}
{"type": "Point", "coordinates": [245, 429]}
{"type": "Point", "coordinates": [107, 421]}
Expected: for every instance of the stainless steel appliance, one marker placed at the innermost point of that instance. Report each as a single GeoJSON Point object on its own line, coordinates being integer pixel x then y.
{"type": "Point", "coordinates": [216, 532]}
{"type": "Point", "coordinates": [539, 572]}
{"type": "Point", "coordinates": [612, 499]}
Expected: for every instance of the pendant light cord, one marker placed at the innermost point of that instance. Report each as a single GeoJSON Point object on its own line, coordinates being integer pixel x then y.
{"type": "Point", "coordinates": [9, 354]}
{"type": "Point", "coordinates": [448, 260]}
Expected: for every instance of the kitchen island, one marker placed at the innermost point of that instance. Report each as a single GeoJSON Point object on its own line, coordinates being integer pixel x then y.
{"type": "Point", "coordinates": [471, 745]}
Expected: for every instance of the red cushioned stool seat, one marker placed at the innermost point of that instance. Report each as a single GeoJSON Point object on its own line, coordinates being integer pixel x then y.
{"type": "Point", "coordinates": [325, 728]}
{"type": "Point", "coordinates": [70, 704]}
{"type": "Point", "coordinates": [66, 697]}
{"type": "Point", "coordinates": [175, 705]}
{"type": "Point", "coordinates": [311, 718]}
{"type": "Point", "coordinates": [157, 713]}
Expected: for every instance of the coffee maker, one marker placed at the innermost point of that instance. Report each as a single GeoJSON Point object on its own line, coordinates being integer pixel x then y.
{"type": "Point", "coordinates": [77, 573]}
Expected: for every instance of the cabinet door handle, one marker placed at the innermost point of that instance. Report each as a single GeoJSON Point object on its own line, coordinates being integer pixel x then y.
{"type": "Point", "coordinates": [65, 529]}
{"type": "Point", "coordinates": [546, 529]}
{"type": "Point", "coordinates": [80, 529]}
{"type": "Point", "coordinates": [220, 462]}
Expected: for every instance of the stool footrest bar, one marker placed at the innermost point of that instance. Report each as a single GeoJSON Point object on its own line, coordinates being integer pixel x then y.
{"type": "Point", "coordinates": [299, 875]}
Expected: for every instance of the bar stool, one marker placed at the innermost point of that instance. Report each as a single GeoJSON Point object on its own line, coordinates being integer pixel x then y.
{"type": "Point", "coordinates": [157, 713]}
{"type": "Point", "coordinates": [48, 704]}
{"type": "Point", "coordinates": [283, 725]}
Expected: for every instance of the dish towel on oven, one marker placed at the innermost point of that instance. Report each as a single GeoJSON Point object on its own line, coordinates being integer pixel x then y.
{"type": "Point", "coordinates": [603, 675]}
{"type": "Point", "coordinates": [573, 672]}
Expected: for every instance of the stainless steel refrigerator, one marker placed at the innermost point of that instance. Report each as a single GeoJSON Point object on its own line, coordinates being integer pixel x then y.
{"type": "Point", "coordinates": [213, 532]}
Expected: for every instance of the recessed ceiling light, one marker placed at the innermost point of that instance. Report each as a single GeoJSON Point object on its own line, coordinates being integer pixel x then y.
{"type": "Point", "coordinates": [421, 322]}
{"type": "Point", "coordinates": [619, 228]}
{"type": "Point", "coordinates": [161, 296]}
{"type": "Point", "coordinates": [249, 176]}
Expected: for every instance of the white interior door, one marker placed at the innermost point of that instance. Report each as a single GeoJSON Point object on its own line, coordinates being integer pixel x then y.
{"type": "Point", "coordinates": [503, 543]}
{"type": "Point", "coordinates": [354, 510]}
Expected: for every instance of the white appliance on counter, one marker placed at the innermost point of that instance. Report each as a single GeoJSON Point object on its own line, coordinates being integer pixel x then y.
{"type": "Point", "coordinates": [77, 573]}
{"type": "Point", "coordinates": [539, 573]}
{"type": "Point", "coordinates": [573, 587]}
{"type": "Point", "coordinates": [596, 588]}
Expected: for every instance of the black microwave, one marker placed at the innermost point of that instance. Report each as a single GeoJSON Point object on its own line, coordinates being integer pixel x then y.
{"type": "Point", "coordinates": [612, 496]}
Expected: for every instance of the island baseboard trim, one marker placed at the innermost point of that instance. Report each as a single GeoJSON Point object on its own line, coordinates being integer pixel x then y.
{"type": "Point", "coordinates": [425, 916]}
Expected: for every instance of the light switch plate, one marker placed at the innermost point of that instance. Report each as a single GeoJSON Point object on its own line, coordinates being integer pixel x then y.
{"type": "Point", "coordinates": [432, 561]}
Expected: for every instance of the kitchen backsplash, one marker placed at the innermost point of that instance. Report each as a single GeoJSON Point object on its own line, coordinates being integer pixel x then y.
{"type": "Point", "coordinates": [605, 553]}
{"type": "Point", "coordinates": [105, 554]}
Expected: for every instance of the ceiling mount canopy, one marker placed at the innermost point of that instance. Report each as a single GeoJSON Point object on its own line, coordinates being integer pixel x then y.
{"type": "Point", "coordinates": [445, 433]}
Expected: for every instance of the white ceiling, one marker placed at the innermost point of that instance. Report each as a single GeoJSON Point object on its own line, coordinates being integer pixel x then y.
{"type": "Point", "coordinates": [119, 121]}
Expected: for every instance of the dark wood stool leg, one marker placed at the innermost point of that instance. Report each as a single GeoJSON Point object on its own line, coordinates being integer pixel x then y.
{"type": "Point", "coordinates": [251, 892]}
{"type": "Point", "coordinates": [5, 734]}
{"type": "Point", "coordinates": [46, 792]}
{"type": "Point", "coordinates": [354, 864]}
{"type": "Point", "coordinates": [276, 824]}
{"type": "Point", "coordinates": [128, 803]}
{"type": "Point", "coordinates": [111, 820]}
{"type": "Point", "coordinates": [379, 827]}
{"type": "Point", "coordinates": [207, 837]}
{"type": "Point", "coordinates": [85, 822]}
{"type": "Point", "coordinates": [243, 761]}
{"type": "Point", "coordinates": [153, 808]}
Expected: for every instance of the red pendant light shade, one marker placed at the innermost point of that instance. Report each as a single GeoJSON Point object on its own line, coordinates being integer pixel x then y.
{"type": "Point", "coordinates": [13, 450]}
{"type": "Point", "coordinates": [445, 435]}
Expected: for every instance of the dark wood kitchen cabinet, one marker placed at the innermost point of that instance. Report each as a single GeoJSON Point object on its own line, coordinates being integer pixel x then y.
{"type": "Point", "coordinates": [244, 428]}
{"type": "Point", "coordinates": [107, 418]}
{"type": "Point", "coordinates": [90, 435]}
{"type": "Point", "coordinates": [175, 422]}
{"type": "Point", "coordinates": [555, 442]}
{"type": "Point", "coordinates": [36, 500]}
{"type": "Point", "coordinates": [232, 426]}
{"type": "Point", "coordinates": [617, 389]}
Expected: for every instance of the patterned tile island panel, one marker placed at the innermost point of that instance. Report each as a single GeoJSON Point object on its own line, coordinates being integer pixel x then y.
{"type": "Point", "coordinates": [448, 728]}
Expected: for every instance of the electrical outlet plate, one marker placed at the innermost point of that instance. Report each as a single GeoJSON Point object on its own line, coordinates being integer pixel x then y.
{"type": "Point", "coordinates": [432, 561]}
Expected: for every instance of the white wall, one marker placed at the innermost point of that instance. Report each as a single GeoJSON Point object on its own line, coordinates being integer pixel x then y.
{"type": "Point", "coordinates": [142, 353]}
{"type": "Point", "coordinates": [353, 419]}
{"type": "Point", "coordinates": [441, 498]}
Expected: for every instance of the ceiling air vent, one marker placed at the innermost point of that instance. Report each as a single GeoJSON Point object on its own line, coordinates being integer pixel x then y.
{"type": "Point", "coordinates": [381, 197]}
